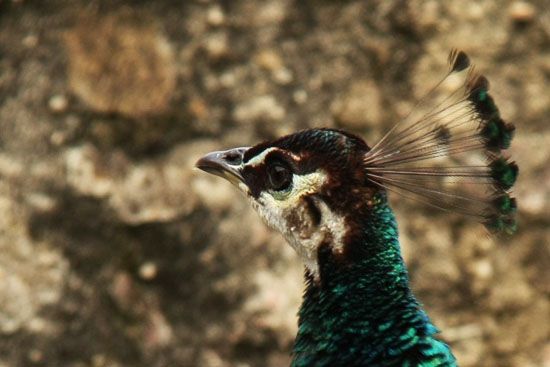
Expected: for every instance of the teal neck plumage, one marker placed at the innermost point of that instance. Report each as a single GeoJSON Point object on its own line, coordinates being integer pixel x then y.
{"type": "Point", "coordinates": [362, 312]}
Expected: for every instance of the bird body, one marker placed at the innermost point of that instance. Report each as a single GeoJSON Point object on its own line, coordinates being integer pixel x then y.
{"type": "Point", "coordinates": [325, 191]}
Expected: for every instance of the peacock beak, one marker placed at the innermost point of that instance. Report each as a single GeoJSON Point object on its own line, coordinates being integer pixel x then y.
{"type": "Point", "coordinates": [226, 164]}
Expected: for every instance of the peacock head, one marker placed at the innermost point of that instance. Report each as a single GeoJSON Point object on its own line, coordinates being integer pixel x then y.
{"type": "Point", "coordinates": [309, 186]}
{"type": "Point", "coordinates": [319, 187]}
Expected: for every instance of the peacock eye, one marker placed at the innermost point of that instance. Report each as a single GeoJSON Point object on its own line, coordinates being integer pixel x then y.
{"type": "Point", "coordinates": [279, 175]}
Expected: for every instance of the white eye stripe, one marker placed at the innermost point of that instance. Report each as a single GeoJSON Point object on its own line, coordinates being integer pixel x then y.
{"type": "Point", "coordinates": [260, 158]}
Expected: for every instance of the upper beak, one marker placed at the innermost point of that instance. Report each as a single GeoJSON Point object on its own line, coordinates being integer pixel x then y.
{"type": "Point", "coordinates": [226, 164]}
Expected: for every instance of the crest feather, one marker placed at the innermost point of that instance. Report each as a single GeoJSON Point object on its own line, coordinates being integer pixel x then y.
{"type": "Point", "coordinates": [450, 155]}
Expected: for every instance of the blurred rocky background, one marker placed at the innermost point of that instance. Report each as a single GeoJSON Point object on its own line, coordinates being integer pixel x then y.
{"type": "Point", "coordinates": [114, 251]}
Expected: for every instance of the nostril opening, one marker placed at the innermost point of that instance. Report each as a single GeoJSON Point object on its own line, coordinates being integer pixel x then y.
{"type": "Point", "coordinates": [233, 157]}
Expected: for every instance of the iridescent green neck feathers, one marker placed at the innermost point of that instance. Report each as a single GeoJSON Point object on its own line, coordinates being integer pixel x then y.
{"type": "Point", "coordinates": [362, 311]}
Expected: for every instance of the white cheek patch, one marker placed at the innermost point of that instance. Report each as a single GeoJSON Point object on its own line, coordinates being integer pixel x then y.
{"type": "Point", "coordinates": [292, 217]}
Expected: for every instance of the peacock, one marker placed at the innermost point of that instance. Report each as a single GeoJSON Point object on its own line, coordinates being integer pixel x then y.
{"type": "Point", "coordinates": [326, 191]}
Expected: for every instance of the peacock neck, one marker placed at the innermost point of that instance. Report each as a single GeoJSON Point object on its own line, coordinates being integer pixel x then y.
{"type": "Point", "coordinates": [361, 310]}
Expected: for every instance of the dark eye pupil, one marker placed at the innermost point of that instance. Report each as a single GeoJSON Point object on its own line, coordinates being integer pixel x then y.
{"type": "Point", "coordinates": [280, 176]}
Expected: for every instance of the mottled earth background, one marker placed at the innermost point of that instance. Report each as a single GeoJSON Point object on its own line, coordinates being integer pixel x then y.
{"type": "Point", "coordinates": [114, 251]}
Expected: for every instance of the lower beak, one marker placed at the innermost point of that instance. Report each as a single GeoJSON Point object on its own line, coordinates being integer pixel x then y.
{"type": "Point", "coordinates": [226, 164]}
